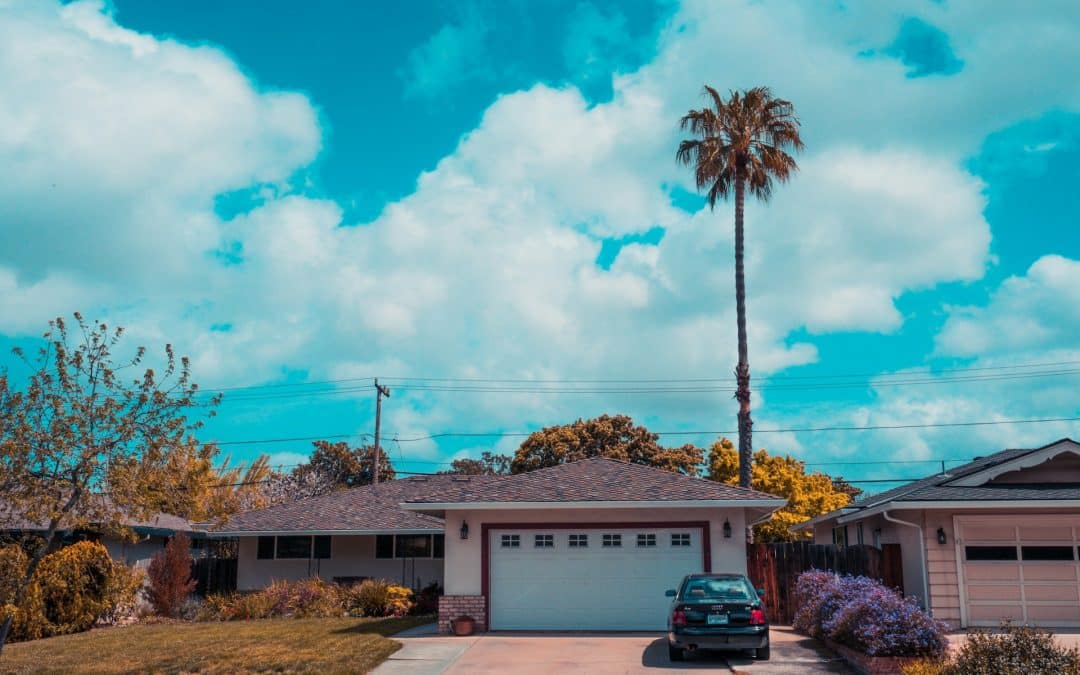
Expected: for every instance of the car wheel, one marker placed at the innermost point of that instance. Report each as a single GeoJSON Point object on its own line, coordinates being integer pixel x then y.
{"type": "Point", "coordinates": [674, 653]}
{"type": "Point", "coordinates": [762, 653]}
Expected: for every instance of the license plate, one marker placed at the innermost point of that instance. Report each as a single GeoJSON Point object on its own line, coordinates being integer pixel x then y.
{"type": "Point", "coordinates": [716, 619]}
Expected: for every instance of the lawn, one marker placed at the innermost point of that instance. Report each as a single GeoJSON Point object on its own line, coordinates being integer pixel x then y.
{"type": "Point", "coordinates": [274, 645]}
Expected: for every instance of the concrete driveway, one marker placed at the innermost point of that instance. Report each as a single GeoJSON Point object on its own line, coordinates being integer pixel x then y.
{"type": "Point", "coordinates": [601, 653]}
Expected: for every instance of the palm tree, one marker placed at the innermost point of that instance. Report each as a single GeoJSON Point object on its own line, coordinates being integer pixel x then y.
{"type": "Point", "coordinates": [740, 143]}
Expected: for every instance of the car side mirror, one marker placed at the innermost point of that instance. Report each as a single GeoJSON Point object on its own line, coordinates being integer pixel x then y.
{"type": "Point", "coordinates": [761, 592]}
{"type": "Point", "coordinates": [670, 593]}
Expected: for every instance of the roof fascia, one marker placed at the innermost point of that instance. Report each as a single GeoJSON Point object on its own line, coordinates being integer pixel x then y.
{"type": "Point", "coordinates": [1025, 461]}
{"type": "Point", "coordinates": [961, 504]}
{"type": "Point", "coordinates": [650, 504]}
{"type": "Point", "coordinates": [320, 533]}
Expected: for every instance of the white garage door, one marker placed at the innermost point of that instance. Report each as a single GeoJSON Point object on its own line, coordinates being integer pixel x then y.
{"type": "Point", "coordinates": [587, 579]}
{"type": "Point", "coordinates": [1028, 571]}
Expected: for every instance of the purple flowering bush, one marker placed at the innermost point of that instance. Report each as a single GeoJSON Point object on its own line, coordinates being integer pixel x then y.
{"type": "Point", "coordinates": [865, 615]}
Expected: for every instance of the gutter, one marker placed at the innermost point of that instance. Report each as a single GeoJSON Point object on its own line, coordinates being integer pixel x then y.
{"type": "Point", "coordinates": [922, 555]}
{"type": "Point", "coordinates": [958, 504]}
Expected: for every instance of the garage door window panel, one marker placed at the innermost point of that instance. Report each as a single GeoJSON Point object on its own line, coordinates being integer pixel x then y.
{"type": "Point", "coordinates": [510, 541]}
{"type": "Point", "coordinates": [680, 539]}
{"type": "Point", "coordinates": [612, 541]}
{"type": "Point", "coordinates": [578, 541]}
{"type": "Point", "coordinates": [646, 540]}
{"type": "Point", "coordinates": [1046, 553]}
{"type": "Point", "coordinates": [990, 553]}
{"type": "Point", "coordinates": [544, 541]}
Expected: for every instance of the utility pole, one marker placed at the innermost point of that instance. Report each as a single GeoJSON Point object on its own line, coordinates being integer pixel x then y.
{"type": "Point", "coordinates": [380, 391]}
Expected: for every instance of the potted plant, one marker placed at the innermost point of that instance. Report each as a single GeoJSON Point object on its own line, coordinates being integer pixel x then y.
{"type": "Point", "coordinates": [463, 625]}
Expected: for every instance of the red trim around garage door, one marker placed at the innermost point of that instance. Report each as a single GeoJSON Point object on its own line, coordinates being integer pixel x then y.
{"type": "Point", "coordinates": [485, 544]}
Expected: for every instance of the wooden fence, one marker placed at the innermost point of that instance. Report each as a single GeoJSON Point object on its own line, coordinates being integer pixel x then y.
{"type": "Point", "coordinates": [775, 567]}
{"type": "Point", "coordinates": [214, 575]}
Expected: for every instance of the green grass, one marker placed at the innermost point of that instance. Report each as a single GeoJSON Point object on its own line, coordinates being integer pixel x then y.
{"type": "Point", "coordinates": [268, 645]}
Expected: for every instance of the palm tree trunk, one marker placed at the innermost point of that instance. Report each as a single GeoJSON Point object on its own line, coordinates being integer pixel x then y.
{"type": "Point", "coordinates": [742, 370]}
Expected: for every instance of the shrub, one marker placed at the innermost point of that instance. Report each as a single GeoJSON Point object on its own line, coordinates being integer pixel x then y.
{"type": "Point", "coordinates": [170, 576]}
{"type": "Point", "coordinates": [376, 597]}
{"type": "Point", "coordinates": [1016, 650]}
{"type": "Point", "coordinates": [124, 591]}
{"type": "Point", "coordinates": [72, 589]}
{"type": "Point", "coordinates": [427, 600]}
{"type": "Point", "coordinates": [865, 615]}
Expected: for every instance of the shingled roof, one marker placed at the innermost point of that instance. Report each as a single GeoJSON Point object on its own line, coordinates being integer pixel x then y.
{"type": "Point", "coordinates": [367, 509]}
{"type": "Point", "coordinates": [596, 479]}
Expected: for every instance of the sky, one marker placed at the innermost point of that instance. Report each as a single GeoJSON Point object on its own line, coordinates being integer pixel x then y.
{"type": "Point", "coordinates": [478, 203]}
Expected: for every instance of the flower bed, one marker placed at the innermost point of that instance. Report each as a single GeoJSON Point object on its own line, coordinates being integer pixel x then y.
{"type": "Point", "coordinates": [875, 628]}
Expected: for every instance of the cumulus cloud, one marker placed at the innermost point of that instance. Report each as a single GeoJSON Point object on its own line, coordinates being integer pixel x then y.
{"type": "Point", "coordinates": [453, 55]}
{"type": "Point", "coordinates": [1037, 311]}
{"type": "Point", "coordinates": [489, 266]}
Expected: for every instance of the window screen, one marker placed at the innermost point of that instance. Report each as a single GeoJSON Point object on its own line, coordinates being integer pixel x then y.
{"type": "Point", "coordinates": [266, 548]}
{"type": "Point", "coordinates": [294, 547]}
{"type": "Point", "coordinates": [384, 546]}
{"type": "Point", "coordinates": [990, 553]}
{"type": "Point", "coordinates": [322, 548]}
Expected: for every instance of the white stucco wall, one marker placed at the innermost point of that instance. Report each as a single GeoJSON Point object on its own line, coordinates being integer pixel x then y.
{"type": "Point", "coordinates": [463, 568]}
{"type": "Point", "coordinates": [350, 556]}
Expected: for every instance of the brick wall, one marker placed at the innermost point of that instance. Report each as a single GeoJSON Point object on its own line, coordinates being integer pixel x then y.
{"type": "Point", "coordinates": [453, 606]}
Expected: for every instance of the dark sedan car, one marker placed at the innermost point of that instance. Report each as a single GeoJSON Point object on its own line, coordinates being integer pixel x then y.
{"type": "Point", "coordinates": [717, 611]}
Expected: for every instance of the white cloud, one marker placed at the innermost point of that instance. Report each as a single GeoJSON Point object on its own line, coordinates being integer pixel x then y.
{"type": "Point", "coordinates": [488, 268]}
{"type": "Point", "coordinates": [453, 55]}
{"type": "Point", "coordinates": [1040, 310]}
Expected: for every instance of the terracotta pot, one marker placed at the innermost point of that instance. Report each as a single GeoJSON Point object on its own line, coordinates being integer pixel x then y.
{"type": "Point", "coordinates": [463, 625]}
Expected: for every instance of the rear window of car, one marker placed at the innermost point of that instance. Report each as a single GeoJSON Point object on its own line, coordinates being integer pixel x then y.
{"type": "Point", "coordinates": [733, 589]}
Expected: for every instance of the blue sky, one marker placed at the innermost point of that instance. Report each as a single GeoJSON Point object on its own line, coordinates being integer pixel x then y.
{"type": "Point", "coordinates": [488, 190]}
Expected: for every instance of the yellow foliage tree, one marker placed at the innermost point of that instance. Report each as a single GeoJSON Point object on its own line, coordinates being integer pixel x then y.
{"type": "Point", "coordinates": [808, 494]}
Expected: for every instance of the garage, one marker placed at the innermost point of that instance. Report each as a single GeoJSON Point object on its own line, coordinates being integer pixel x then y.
{"type": "Point", "coordinates": [1025, 569]}
{"type": "Point", "coordinates": [588, 577]}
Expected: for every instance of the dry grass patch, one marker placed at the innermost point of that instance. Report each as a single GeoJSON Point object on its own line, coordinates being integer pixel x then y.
{"type": "Point", "coordinates": [268, 645]}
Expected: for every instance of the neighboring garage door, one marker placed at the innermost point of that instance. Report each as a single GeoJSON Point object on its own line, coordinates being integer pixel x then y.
{"type": "Point", "coordinates": [1024, 568]}
{"type": "Point", "coordinates": [588, 579]}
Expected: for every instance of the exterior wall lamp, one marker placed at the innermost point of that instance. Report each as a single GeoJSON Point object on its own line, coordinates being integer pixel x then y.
{"type": "Point", "coordinates": [727, 529]}
{"type": "Point", "coordinates": [941, 536]}
{"type": "Point", "coordinates": [464, 530]}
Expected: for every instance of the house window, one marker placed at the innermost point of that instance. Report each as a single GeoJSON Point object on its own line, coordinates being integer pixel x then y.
{"type": "Point", "coordinates": [877, 537]}
{"type": "Point", "coordinates": [680, 539]}
{"type": "Point", "coordinates": [511, 541]}
{"type": "Point", "coordinates": [266, 548]}
{"type": "Point", "coordinates": [989, 553]}
{"type": "Point", "coordinates": [384, 546]}
{"type": "Point", "coordinates": [413, 546]}
{"type": "Point", "coordinates": [544, 541]}
{"type": "Point", "coordinates": [438, 546]}
{"type": "Point", "coordinates": [859, 534]}
{"type": "Point", "coordinates": [321, 548]}
{"type": "Point", "coordinates": [1046, 552]}
{"type": "Point", "coordinates": [646, 540]}
{"type": "Point", "coordinates": [579, 541]}
{"type": "Point", "coordinates": [611, 541]}
{"type": "Point", "coordinates": [840, 535]}
{"type": "Point", "coordinates": [294, 547]}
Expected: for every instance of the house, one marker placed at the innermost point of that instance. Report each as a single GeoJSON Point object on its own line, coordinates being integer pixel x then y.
{"type": "Point", "coordinates": [152, 535]}
{"type": "Point", "coordinates": [996, 538]}
{"type": "Point", "coordinates": [590, 545]}
{"type": "Point", "coordinates": [349, 535]}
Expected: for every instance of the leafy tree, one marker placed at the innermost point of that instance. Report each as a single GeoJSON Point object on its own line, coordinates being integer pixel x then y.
{"type": "Point", "coordinates": [615, 437]}
{"type": "Point", "coordinates": [841, 485]}
{"type": "Point", "coordinates": [346, 467]}
{"type": "Point", "coordinates": [489, 464]}
{"type": "Point", "coordinates": [808, 494]}
{"type": "Point", "coordinates": [741, 142]}
{"type": "Point", "coordinates": [76, 417]}
{"type": "Point", "coordinates": [169, 576]}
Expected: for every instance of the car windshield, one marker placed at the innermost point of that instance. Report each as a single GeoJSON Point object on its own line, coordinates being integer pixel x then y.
{"type": "Point", "coordinates": [724, 588]}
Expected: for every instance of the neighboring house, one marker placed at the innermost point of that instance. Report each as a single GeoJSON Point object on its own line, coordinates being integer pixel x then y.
{"type": "Point", "coordinates": [152, 535]}
{"type": "Point", "coordinates": [348, 535]}
{"type": "Point", "coordinates": [590, 545]}
{"type": "Point", "coordinates": [996, 538]}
